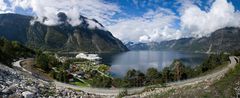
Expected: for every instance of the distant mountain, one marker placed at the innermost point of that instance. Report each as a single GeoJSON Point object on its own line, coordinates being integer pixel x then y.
{"type": "Point", "coordinates": [143, 46]}
{"type": "Point", "coordinates": [225, 39]}
{"type": "Point", "coordinates": [62, 37]}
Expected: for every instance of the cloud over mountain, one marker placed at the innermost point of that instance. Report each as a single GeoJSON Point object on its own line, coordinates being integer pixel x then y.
{"type": "Point", "coordinates": [198, 23]}
{"type": "Point", "coordinates": [136, 20]}
{"type": "Point", "coordinates": [3, 6]}
{"type": "Point", "coordinates": [48, 9]}
{"type": "Point", "coordinates": [152, 26]}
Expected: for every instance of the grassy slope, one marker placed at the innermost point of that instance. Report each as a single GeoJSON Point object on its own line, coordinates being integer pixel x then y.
{"type": "Point", "coordinates": [223, 88]}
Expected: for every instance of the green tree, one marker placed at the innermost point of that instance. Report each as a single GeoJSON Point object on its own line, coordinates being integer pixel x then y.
{"type": "Point", "coordinates": [153, 76]}
{"type": "Point", "coordinates": [152, 73]}
{"type": "Point", "coordinates": [178, 70]}
{"type": "Point", "coordinates": [166, 75]}
{"type": "Point", "coordinates": [12, 50]}
{"type": "Point", "coordinates": [134, 78]}
{"type": "Point", "coordinates": [117, 82]}
{"type": "Point", "coordinates": [103, 68]}
{"type": "Point", "coordinates": [46, 61]}
{"type": "Point", "coordinates": [43, 62]}
{"type": "Point", "coordinates": [212, 62]}
{"type": "Point", "coordinates": [101, 81]}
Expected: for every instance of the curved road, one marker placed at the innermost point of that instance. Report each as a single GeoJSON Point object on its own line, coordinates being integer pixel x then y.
{"type": "Point", "coordinates": [113, 92]}
{"type": "Point", "coordinates": [213, 76]}
{"type": "Point", "coordinates": [17, 65]}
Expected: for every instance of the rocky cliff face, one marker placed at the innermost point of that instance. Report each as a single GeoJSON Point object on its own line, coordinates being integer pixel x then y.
{"type": "Point", "coordinates": [222, 40]}
{"type": "Point", "coordinates": [62, 37]}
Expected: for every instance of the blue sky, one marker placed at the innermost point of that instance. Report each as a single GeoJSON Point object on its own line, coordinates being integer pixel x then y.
{"type": "Point", "coordinates": [139, 7]}
{"type": "Point", "coordinates": [134, 8]}
{"type": "Point", "coordinates": [137, 20]}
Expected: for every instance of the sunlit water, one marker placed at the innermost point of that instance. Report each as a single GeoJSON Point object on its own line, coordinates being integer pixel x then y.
{"type": "Point", "coordinates": [142, 60]}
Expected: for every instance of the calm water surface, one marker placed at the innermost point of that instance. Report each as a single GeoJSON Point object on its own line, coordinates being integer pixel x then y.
{"type": "Point", "coordinates": [142, 60]}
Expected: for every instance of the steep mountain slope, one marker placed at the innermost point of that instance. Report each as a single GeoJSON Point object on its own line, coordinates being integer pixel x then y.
{"type": "Point", "coordinates": [225, 39]}
{"type": "Point", "coordinates": [14, 26]}
{"type": "Point", "coordinates": [138, 46]}
{"type": "Point", "coordinates": [62, 37]}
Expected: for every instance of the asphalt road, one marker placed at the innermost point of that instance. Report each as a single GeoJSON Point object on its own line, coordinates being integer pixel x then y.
{"type": "Point", "coordinates": [114, 92]}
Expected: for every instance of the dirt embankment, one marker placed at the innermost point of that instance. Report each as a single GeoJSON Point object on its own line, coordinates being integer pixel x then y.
{"type": "Point", "coordinates": [30, 65]}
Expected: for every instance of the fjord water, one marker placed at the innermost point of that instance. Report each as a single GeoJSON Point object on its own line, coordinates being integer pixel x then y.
{"type": "Point", "coordinates": [142, 60]}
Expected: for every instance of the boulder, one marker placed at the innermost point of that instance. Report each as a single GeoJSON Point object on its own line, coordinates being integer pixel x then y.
{"type": "Point", "coordinates": [11, 89]}
{"type": "Point", "coordinates": [27, 94]}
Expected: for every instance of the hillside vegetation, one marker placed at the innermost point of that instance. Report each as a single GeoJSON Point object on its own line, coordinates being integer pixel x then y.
{"type": "Point", "coordinates": [225, 87]}
{"type": "Point", "coordinates": [11, 50]}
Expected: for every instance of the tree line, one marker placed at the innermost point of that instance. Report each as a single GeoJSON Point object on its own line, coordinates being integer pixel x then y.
{"type": "Point", "coordinates": [10, 50]}
{"type": "Point", "coordinates": [133, 78]}
{"type": "Point", "coordinates": [175, 72]}
{"type": "Point", "coordinates": [48, 63]}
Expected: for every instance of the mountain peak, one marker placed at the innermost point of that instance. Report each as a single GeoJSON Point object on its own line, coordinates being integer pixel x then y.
{"type": "Point", "coordinates": [63, 37]}
{"type": "Point", "coordinates": [84, 21]}
{"type": "Point", "coordinates": [62, 17]}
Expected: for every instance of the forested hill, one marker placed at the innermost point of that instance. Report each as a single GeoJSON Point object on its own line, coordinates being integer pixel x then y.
{"type": "Point", "coordinates": [10, 50]}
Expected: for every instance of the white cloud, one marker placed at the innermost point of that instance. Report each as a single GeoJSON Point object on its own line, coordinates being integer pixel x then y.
{"type": "Point", "coordinates": [182, 5]}
{"type": "Point", "coordinates": [92, 25]}
{"type": "Point", "coordinates": [152, 26]}
{"type": "Point", "coordinates": [97, 9]}
{"type": "Point", "coordinates": [144, 38]}
{"type": "Point", "coordinates": [3, 5]}
{"type": "Point", "coordinates": [24, 4]}
{"type": "Point", "coordinates": [202, 23]}
{"type": "Point", "coordinates": [194, 22]}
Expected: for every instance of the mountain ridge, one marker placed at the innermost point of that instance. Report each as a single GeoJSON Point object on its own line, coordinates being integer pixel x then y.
{"type": "Point", "coordinates": [61, 37]}
{"type": "Point", "coordinates": [222, 40]}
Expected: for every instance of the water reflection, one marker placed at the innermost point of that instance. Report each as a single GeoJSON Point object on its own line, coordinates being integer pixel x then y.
{"type": "Point", "coordinates": [142, 60]}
